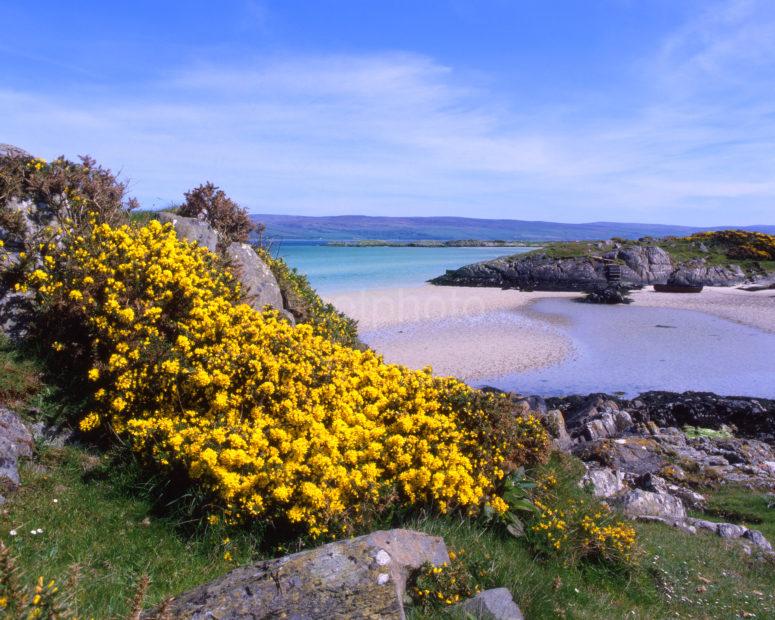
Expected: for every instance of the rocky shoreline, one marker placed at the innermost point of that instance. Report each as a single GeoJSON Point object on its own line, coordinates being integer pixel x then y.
{"type": "Point", "coordinates": [640, 265]}
{"type": "Point", "coordinates": [651, 455]}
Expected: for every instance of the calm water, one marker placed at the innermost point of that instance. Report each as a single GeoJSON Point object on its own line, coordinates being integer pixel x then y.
{"type": "Point", "coordinates": [631, 349]}
{"type": "Point", "coordinates": [628, 349]}
{"type": "Point", "coordinates": [339, 269]}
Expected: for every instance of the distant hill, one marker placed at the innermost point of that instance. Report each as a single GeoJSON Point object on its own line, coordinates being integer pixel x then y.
{"type": "Point", "coordinates": [355, 227]}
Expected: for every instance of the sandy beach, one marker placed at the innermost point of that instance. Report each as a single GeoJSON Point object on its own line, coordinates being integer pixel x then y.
{"type": "Point", "coordinates": [480, 332]}
{"type": "Point", "coordinates": [466, 332]}
{"type": "Point", "coordinates": [756, 309]}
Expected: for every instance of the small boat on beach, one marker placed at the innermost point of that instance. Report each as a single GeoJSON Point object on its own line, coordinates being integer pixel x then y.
{"type": "Point", "coordinates": [677, 288]}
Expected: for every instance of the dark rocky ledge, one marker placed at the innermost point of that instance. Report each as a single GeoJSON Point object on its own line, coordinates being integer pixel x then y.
{"type": "Point", "coordinates": [640, 265]}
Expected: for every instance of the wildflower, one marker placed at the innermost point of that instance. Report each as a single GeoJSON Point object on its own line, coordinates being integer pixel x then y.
{"type": "Point", "coordinates": [271, 420]}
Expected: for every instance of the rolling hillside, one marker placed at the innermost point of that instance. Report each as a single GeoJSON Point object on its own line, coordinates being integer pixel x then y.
{"type": "Point", "coordinates": [354, 227]}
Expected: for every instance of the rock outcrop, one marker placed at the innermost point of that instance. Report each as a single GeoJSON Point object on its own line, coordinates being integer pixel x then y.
{"type": "Point", "coordinates": [638, 460]}
{"type": "Point", "coordinates": [192, 229]}
{"type": "Point", "coordinates": [15, 443]}
{"type": "Point", "coordinates": [640, 265]}
{"type": "Point", "coordinates": [640, 503]}
{"type": "Point", "coordinates": [495, 604]}
{"type": "Point", "coordinates": [258, 282]}
{"type": "Point", "coordinates": [360, 578]}
{"type": "Point", "coordinates": [750, 417]}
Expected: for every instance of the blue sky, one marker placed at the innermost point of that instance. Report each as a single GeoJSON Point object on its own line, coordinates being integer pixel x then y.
{"type": "Point", "coordinates": [627, 110]}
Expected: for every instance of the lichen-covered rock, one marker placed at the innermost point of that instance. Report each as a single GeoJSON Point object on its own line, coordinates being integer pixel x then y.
{"type": "Point", "coordinates": [9, 150]}
{"type": "Point", "coordinates": [192, 229]}
{"type": "Point", "coordinates": [640, 503]}
{"type": "Point", "coordinates": [597, 418]}
{"type": "Point", "coordinates": [731, 531]}
{"type": "Point", "coordinates": [258, 282]}
{"type": "Point", "coordinates": [15, 443]}
{"type": "Point", "coordinates": [494, 604]}
{"type": "Point", "coordinates": [554, 422]}
{"type": "Point", "coordinates": [758, 539]}
{"type": "Point", "coordinates": [603, 481]}
{"type": "Point", "coordinates": [360, 578]}
{"type": "Point", "coordinates": [640, 265]}
{"type": "Point", "coordinates": [698, 273]}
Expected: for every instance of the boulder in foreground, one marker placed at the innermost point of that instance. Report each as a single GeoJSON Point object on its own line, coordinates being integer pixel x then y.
{"type": "Point", "coordinates": [363, 577]}
{"type": "Point", "coordinates": [495, 604]}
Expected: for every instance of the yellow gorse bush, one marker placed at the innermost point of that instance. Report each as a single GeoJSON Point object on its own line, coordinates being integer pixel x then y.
{"type": "Point", "coordinates": [273, 420]}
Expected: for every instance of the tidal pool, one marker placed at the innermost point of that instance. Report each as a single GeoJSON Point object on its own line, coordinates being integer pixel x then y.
{"type": "Point", "coordinates": [631, 349]}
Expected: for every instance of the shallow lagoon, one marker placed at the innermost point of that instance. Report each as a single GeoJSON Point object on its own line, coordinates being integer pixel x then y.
{"type": "Point", "coordinates": [631, 349]}
{"type": "Point", "coordinates": [333, 269]}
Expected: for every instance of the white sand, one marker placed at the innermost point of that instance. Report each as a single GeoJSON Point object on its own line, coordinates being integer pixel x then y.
{"type": "Point", "coordinates": [380, 308]}
{"type": "Point", "coordinates": [756, 309]}
{"type": "Point", "coordinates": [475, 333]}
{"type": "Point", "coordinates": [471, 333]}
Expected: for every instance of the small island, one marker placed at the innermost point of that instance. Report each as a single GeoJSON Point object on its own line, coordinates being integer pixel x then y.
{"type": "Point", "coordinates": [717, 258]}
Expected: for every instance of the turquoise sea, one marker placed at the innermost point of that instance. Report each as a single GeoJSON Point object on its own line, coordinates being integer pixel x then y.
{"type": "Point", "coordinates": [333, 269]}
{"type": "Point", "coordinates": [626, 349]}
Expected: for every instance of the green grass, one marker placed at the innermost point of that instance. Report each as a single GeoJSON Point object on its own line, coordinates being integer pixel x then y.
{"type": "Point", "coordinates": [99, 522]}
{"type": "Point", "coordinates": [699, 431]}
{"type": "Point", "coordinates": [20, 375]}
{"type": "Point", "coordinates": [677, 575]}
{"type": "Point", "coordinates": [142, 216]}
{"type": "Point", "coordinates": [106, 524]}
{"type": "Point", "coordinates": [743, 506]}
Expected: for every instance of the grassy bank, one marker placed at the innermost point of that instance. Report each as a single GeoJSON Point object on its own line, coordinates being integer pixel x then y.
{"type": "Point", "coordinates": [103, 529]}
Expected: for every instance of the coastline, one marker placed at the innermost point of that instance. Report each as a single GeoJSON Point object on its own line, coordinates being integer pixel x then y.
{"type": "Point", "coordinates": [473, 333]}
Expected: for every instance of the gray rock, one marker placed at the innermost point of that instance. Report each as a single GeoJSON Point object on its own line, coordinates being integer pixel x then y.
{"type": "Point", "coordinates": [623, 421]}
{"type": "Point", "coordinates": [640, 265]}
{"type": "Point", "coordinates": [537, 404]}
{"type": "Point", "coordinates": [687, 496]}
{"type": "Point", "coordinates": [363, 577]}
{"type": "Point", "coordinates": [698, 272]}
{"type": "Point", "coordinates": [29, 217]}
{"type": "Point", "coordinates": [604, 481]}
{"type": "Point", "coordinates": [640, 503]}
{"type": "Point", "coordinates": [16, 433]}
{"type": "Point", "coordinates": [758, 539]}
{"type": "Point", "coordinates": [554, 422]}
{"type": "Point", "coordinates": [54, 436]}
{"type": "Point", "coordinates": [15, 443]}
{"type": "Point", "coordinates": [9, 150]}
{"type": "Point", "coordinates": [495, 604]}
{"type": "Point", "coordinates": [702, 524]}
{"type": "Point", "coordinates": [632, 455]}
{"type": "Point", "coordinates": [730, 530]}
{"type": "Point", "coordinates": [763, 283]}
{"type": "Point", "coordinates": [258, 282]}
{"type": "Point", "coordinates": [653, 483]}
{"type": "Point", "coordinates": [192, 229]}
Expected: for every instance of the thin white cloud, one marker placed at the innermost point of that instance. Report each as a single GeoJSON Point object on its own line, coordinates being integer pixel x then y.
{"type": "Point", "coordinates": [400, 133]}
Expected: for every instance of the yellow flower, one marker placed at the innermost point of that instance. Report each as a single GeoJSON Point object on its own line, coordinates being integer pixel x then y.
{"type": "Point", "coordinates": [274, 421]}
